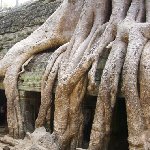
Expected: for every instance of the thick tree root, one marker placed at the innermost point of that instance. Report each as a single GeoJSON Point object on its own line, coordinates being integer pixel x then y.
{"type": "Point", "coordinates": [47, 36]}
{"type": "Point", "coordinates": [14, 116]}
{"type": "Point", "coordinates": [47, 85]}
{"type": "Point", "coordinates": [109, 83]}
{"type": "Point", "coordinates": [134, 112]}
{"type": "Point", "coordinates": [75, 118]}
{"type": "Point", "coordinates": [107, 96]}
{"type": "Point", "coordinates": [145, 83]}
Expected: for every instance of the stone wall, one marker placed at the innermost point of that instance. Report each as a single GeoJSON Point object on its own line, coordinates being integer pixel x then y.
{"type": "Point", "coordinates": [17, 23]}
{"type": "Point", "coordinates": [30, 80]}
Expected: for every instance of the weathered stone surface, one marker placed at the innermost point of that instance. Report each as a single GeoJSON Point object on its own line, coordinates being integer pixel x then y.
{"type": "Point", "coordinates": [38, 140]}
{"type": "Point", "coordinates": [16, 24]}
{"type": "Point", "coordinates": [30, 80]}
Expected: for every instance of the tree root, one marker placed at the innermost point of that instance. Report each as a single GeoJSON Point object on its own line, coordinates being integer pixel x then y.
{"type": "Point", "coordinates": [109, 84]}
{"type": "Point", "coordinates": [50, 35]}
{"type": "Point", "coordinates": [43, 38]}
{"type": "Point", "coordinates": [14, 116]}
{"type": "Point", "coordinates": [145, 83]}
{"type": "Point", "coordinates": [24, 65]}
{"type": "Point", "coordinates": [47, 84]}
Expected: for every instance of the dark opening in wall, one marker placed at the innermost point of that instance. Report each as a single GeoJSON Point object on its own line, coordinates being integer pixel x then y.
{"type": "Point", "coordinates": [119, 133]}
{"type": "Point", "coordinates": [36, 104]}
{"type": "Point", "coordinates": [52, 113]}
{"type": "Point", "coordinates": [34, 101]}
{"type": "Point", "coordinates": [30, 103]}
{"type": "Point", "coordinates": [89, 106]}
{"type": "Point", "coordinates": [3, 112]}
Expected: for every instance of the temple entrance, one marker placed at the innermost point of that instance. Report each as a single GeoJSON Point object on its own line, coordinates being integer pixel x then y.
{"type": "Point", "coordinates": [30, 103]}
{"type": "Point", "coordinates": [3, 112]}
{"type": "Point", "coordinates": [119, 133]}
{"type": "Point", "coordinates": [119, 129]}
{"type": "Point", "coordinates": [89, 106]}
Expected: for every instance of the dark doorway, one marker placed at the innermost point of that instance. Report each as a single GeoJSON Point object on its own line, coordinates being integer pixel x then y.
{"type": "Point", "coordinates": [3, 108]}
{"type": "Point", "coordinates": [33, 105]}
{"type": "Point", "coordinates": [119, 133]}
{"type": "Point", "coordinates": [32, 102]}
{"type": "Point", "coordinates": [3, 113]}
{"type": "Point", "coordinates": [89, 106]}
{"type": "Point", "coordinates": [119, 129]}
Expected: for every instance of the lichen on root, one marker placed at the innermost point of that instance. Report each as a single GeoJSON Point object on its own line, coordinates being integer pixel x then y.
{"type": "Point", "coordinates": [92, 29]}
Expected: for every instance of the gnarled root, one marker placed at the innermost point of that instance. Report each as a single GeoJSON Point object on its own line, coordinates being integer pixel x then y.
{"type": "Point", "coordinates": [145, 83]}
{"type": "Point", "coordinates": [48, 84]}
{"type": "Point", "coordinates": [69, 134]}
{"type": "Point", "coordinates": [47, 36]}
{"type": "Point", "coordinates": [107, 96]}
{"type": "Point", "coordinates": [14, 116]}
{"type": "Point", "coordinates": [71, 82]}
{"type": "Point", "coordinates": [110, 78]}
{"type": "Point", "coordinates": [134, 111]}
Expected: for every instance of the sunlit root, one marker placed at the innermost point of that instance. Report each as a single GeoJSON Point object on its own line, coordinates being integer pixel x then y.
{"type": "Point", "coordinates": [110, 78]}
